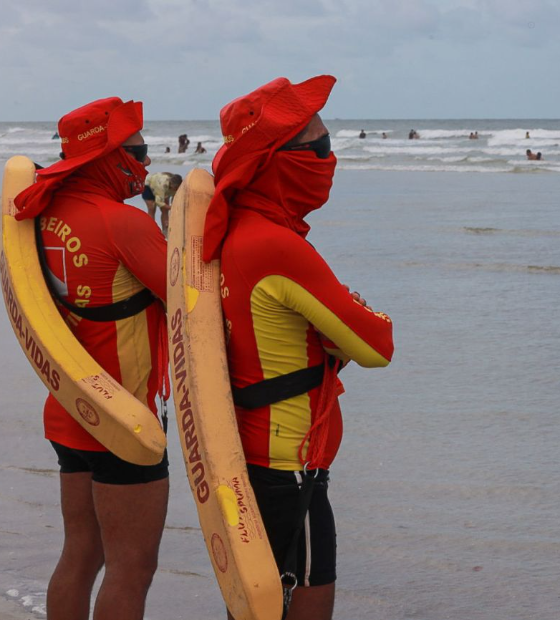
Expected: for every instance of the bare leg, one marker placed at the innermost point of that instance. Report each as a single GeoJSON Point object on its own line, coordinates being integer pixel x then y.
{"type": "Point", "coordinates": [151, 206]}
{"type": "Point", "coordinates": [165, 220]}
{"type": "Point", "coordinates": [69, 591]}
{"type": "Point", "coordinates": [313, 603]}
{"type": "Point", "coordinates": [131, 518]}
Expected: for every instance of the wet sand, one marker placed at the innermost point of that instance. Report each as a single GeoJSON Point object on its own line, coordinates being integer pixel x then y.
{"type": "Point", "coordinates": [9, 610]}
{"type": "Point", "coordinates": [446, 488]}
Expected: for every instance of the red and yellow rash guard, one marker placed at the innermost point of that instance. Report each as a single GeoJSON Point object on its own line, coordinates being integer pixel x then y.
{"type": "Point", "coordinates": [100, 251]}
{"type": "Point", "coordinates": [283, 308]}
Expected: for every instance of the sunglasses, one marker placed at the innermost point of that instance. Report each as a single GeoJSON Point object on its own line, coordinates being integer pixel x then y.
{"type": "Point", "coordinates": [321, 146]}
{"type": "Point", "coordinates": [138, 151]}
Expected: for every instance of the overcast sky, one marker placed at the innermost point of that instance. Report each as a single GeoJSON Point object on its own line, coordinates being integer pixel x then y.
{"type": "Point", "coordinates": [187, 58]}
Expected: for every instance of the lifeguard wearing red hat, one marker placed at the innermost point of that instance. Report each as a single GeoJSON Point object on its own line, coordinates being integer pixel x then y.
{"type": "Point", "coordinates": [291, 323]}
{"type": "Point", "coordinates": [106, 262]}
{"type": "Point", "coordinates": [86, 134]}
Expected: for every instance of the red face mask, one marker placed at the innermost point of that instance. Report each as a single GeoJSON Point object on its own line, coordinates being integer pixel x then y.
{"type": "Point", "coordinates": [292, 185]}
{"type": "Point", "coordinates": [118, 173]}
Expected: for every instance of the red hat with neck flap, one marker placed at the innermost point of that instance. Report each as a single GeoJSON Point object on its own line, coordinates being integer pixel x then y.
{"type": "Point", "coordinates": [254, 127]}
{"type": "Point", "coordinates": [86, 134]}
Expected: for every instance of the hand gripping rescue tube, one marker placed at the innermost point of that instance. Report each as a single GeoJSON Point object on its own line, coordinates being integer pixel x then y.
{"type": "Point", "coordinates": [102, 406]}
{"type": "Point", "coordinates": [214, 459]}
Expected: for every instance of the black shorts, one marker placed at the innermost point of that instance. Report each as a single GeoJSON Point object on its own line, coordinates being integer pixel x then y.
{"type": "Point", "coordinates": [108, 468]}
{"type": "Point", "coordinates": [277, 494]}
{"type": "Point", "coordinates": [147, 194]}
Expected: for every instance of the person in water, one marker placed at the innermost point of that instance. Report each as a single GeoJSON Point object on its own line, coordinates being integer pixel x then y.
{"type": "Point", "coordinates": [532, 156]}
{"type": "Point", "coordinates": [362, 134]}
{"type": "Point", "coordinates": [200, 148]}
{"type": "Point", "coordinates": [288, 316]}
{"type": "Point", "coordinates": [159, 190]}
{"type": "Point", "coordinates": [183, 143]}
{"type": "Point", "coordinates": [113, 511]}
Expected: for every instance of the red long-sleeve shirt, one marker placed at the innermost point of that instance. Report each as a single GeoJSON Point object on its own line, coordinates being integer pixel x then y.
{"type": "Point", "coordinates": [101, 251]}
{"type": "Point", "coordinates": [283, 308]}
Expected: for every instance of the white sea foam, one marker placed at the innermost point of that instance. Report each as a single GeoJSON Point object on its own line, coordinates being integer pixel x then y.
{"type": "Point", "coordinates": [501, 144]}
{"type": "Point", "coordinates": [354, 133]}
{"type": "Point", "coordinates": [482, 159]}
{"type": "Point", "coordinates": [358, 157]}
{"type": "Point", "coordinates": [417, 150]}
{"type": "Point", "coordinates": [517, 136]}
{"type": "Point", "coordinates": [172, 140]}
{"type": "Point", "coordinates": [425, 168]}
{"type": "Point", "coordinates": [448, 133]}
{"type": "Point", "coordinates": [535, 166]}
{"type": "Point", "coordinates": [450, 160]}
{"type": "Point", "coordinates": [339, 144]}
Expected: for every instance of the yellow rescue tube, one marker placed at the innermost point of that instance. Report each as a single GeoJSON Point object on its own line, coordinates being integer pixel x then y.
{"type": "Point", "coordinates": [227, 508]}
{"type": "Point", "coordinates": [112, 415]}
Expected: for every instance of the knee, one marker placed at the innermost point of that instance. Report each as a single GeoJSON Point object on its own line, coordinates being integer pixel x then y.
{"type": "Point", "coordinates": [82, 561]}
{"type": "Point", "coordinates": [137, 570]}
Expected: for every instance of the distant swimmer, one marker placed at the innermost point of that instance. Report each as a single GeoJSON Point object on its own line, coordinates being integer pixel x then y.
{"type": "Point", "coordinates": [533, 156]}
{"type": "Point", "coordinates": [183, 143]}
{"type": "Point", "coordinates": [362, 134]}
{"type": "Point", "coordinates": [167, 149]}
{"type": "Point", "coordinates": [56, 136]}
{"type": "Point", "coordinates": [411, 134]}
{"type": "Point", "coordinates": [200, 148]}
{"type": "Point", "coordinates": [473, 135]}
{"type": "Point", "coordinates": [527, 136]}
{"type": "Point", "coordinates": [384, 136]}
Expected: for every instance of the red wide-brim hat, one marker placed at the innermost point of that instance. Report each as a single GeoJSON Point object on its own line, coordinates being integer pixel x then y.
{"type": "Point", "coordinates": [86, 134]}
{"type": "Point", "coordinates": [254, 127]}
{"type": "Point", "coordinates": [95, 130]}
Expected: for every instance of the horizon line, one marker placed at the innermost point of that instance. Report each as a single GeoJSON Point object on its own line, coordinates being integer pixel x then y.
{"type": "Point", "coordinates": [338, 119]}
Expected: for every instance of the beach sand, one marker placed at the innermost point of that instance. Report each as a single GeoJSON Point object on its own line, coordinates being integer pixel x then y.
{"type": "Point", "coordinates": [445, 488]}
{"type": "Point", "coordinates": [9, 610]}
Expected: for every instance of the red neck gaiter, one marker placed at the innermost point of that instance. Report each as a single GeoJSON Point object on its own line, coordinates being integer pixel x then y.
{"type": "Point", "coordinates": [116, 175]}
{"type": "Point", "coordinates": [293, 184]}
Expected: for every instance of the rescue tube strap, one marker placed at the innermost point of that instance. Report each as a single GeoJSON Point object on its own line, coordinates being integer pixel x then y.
{"type": "Point", "coordinates": [111, 312]}
{"type": "Point", "coordinates": [279, 388]}
{"type": "Point", "coordinates": [288, 577]}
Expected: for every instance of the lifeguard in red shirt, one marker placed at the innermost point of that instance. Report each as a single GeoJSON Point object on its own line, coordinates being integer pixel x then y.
{"type": "Point", "coordinates": [106, 263]}
{"type": "Point", "coordinates": [290, 323]}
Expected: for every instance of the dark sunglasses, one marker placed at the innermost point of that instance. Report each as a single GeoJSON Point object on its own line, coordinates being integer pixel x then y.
{"type": "Point", "coordinates": [138, 151]}
{"type": "Point", "coordinates": [321, 146]}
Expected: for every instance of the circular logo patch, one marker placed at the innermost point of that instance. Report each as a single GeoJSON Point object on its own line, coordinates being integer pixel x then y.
{"type": "Point", "coordinates": [87, 412]}
{"type": "Point", "coordinates": [174, 267]}
{"type": "Point", "coordinates": [219, 552]}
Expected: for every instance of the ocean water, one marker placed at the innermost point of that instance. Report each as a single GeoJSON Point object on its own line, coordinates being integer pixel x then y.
{"type": "Point", "coordinates": [446, 488]}
{"type": "Point", "coordinates": [444, 145]}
